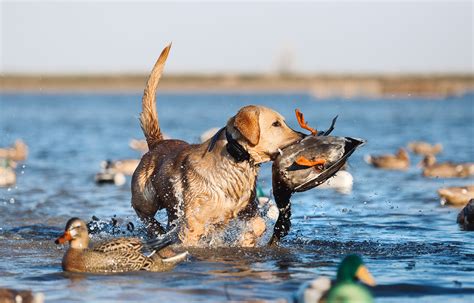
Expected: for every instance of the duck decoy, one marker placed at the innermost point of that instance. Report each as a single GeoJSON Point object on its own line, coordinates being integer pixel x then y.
{"type": "Point", "coordinates": [345, 289]}
{"type": "Point", "coordinates": [115, 171]}
{"type": "Point", "coordinates": [445, 170]}
{"type": "Point", "coordinates": [466, 216]}
{"type": "Point", "coordinates": [18, 152]}
{"type": "Point", "coordinates": [305, 165]}
{"type": "Point", "coordinates": [106, 176]}
{"type": "Point", "coordinates": [7, 172]}
{"type": "Point", "coordinates": [125, 166]}
{"type": "Point", "coordinates": [425, 148]}
{"type": "Point", "coordinates": [138, 145]}
{"type": "Point", "coordinates": [399, 161]}
{"type": "Point", "coordinates": [8, 295]}
{"type": "Point", "coordinates": [118, 255]}
{"type": "Point", "coordinates": [457, 196]}
{"type": "Point", "coordinates": [342, 182]}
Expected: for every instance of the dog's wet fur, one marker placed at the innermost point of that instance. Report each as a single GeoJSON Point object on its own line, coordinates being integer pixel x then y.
{"type": "Point", "coordinates": [202, 189]}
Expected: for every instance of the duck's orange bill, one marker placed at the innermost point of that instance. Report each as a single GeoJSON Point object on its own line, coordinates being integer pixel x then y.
{"type": "Point", "coordinates": [364, 276]}
{"type": "Point", "coordinates": [303, 161]}
{"type": "Point", "coordinates": [302, 122]}
{"type": "Point", "coordinates": [66, 237]}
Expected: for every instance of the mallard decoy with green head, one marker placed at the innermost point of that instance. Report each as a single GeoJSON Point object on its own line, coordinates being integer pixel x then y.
{"type": "Point", "coordinates": [345, 289]}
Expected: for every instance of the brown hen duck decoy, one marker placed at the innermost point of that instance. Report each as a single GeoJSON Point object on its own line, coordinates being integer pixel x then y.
{"type": "Point", "coordinates": [7, 172]}
{"type": "Point", "coordinates": [457, 196]}
{"type": "Point", "coordinates": [118, 255]}
{"type": "Point", "coordinates": [446, 169]}
{"type": "Point", "coordinates": [424, 148]}
{"type": "Point", "coordinates": [17, 152]}
{"type": "Point", "coordinates": [399, 161]}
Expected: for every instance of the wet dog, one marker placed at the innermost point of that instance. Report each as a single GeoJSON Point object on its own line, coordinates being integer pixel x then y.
{"type": "Point", "coordinates": [204, 186]}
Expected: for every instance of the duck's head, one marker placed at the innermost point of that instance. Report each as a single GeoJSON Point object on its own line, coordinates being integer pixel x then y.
{"type": "Point", "coordinates": [352, 268]}
{"type": "Point", "coordinates": [75, 233]}
{"type": "Point", "coordinates": [428, 161]}
{"type": "Point", "coordinates": [403, 154]}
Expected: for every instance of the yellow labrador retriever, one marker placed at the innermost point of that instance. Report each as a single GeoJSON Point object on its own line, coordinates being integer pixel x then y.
{"type": "Point", "coordinates": [204, 186]}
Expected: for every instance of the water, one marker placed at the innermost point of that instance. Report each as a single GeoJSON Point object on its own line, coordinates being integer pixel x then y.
{"type": "Point", "coordinates": [410, 243]}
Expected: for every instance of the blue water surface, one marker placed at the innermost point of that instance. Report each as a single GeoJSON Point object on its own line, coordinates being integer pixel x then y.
{"type": "Point", "coordinates": [411, 244]}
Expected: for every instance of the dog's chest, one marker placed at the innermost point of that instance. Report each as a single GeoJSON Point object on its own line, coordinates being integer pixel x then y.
{"type": "Point", "coordinates": [217, 193]}
{"type": "Point", "coordinates": [239, 184]}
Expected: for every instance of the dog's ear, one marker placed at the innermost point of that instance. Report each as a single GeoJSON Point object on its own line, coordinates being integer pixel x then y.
{"type": "Point", "coordinates": [246, 122]}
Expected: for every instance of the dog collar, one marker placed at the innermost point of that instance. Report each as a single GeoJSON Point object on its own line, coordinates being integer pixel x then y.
{"type": "Point", "coordinates": [236, 150]}
{"type": "Point", "coordinates": [233, 147]}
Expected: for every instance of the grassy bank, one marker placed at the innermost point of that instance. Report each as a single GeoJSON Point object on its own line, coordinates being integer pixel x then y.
{"type": "Point", "coordinates": [318, 85]}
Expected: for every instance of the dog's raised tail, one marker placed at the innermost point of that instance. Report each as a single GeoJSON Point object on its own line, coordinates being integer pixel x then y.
{"type": "Point", "coordinates": [149, 117]}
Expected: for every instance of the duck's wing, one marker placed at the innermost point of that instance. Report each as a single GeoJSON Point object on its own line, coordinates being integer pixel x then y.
{"type": "Point", "coordinates": [126, 260]}
{"type": "Point", "coordinates": [121, 244]}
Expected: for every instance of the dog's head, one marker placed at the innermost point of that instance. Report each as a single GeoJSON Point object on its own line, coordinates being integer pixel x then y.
{"type": "Point", "coordinates": [262, 132]}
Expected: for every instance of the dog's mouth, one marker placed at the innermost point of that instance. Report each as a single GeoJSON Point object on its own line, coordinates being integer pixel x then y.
{"type": "Point", "coordinates": [279, 151]}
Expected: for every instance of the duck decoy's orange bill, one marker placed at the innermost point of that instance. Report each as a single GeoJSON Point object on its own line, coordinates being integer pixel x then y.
{"type": "Point", "coordinates": [303, 124]}
{"type": "Point", "coordinates": [66, 237]}
{"type": "Point", "coordinates": [303, 161]}
{"type": "Point", "coordinates": [364, 276]}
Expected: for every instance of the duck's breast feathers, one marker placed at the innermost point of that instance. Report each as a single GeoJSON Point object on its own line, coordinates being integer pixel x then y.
{"type": "Point", "coordinates": [121, 244]}
{"type": "Point", "coordinates": [349, 292]}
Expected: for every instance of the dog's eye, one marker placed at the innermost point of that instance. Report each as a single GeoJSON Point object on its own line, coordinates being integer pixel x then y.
{"type": "Point", "coordinates": [276, 124]}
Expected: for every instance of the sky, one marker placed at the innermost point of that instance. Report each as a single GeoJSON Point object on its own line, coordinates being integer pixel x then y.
{"type": "Point", "coordinates": [52, 37]}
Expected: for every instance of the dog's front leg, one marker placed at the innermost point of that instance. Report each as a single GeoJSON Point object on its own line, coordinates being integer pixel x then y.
{"type": "Point", "coordinates": [194, 227]}
{"type": "Point", "coordinates": [255, 228]}
{"type": "Point", "coordinates": [255, 225]}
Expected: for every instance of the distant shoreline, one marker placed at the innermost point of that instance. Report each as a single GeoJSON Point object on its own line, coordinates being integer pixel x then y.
{"type": "Point", "coordinates": [320, 86]}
